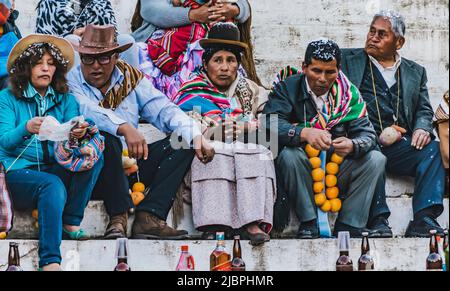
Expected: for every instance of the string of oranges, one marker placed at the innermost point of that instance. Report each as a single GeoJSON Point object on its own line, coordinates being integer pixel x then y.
{"type": "Point", "coordinates": [327, 200]}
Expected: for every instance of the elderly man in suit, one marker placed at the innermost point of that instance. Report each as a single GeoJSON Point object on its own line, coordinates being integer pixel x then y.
{"type": "Point", "coordinates": [395, 90]}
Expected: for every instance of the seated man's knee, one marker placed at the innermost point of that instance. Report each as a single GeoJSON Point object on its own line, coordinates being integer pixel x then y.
{"type": "Point", "coordinates": [376, 160]}
{"type": "Point", "coordinates": [291, 157]}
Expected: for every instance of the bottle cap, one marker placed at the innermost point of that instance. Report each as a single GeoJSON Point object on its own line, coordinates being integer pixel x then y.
{"type": "Point", "coordinates": [237, 237]}
{"type": "Point", "coordinates": [184, 248]}
{"type": "Point", "coordinates": [365, 233]}
{"type": "Point", "coordinates": [433, 231]}
{"type": "Point", "coordinates": [220, 236]}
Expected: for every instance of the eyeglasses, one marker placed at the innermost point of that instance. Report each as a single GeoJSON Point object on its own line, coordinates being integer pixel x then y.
{"type": "Point", "coordinates": [102, 60]}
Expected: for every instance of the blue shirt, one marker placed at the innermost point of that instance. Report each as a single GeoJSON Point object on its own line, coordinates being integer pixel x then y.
{"type": "Point", "coordinates": [145, 101]}
{"type": "Point", "coordinates": [15, 140]}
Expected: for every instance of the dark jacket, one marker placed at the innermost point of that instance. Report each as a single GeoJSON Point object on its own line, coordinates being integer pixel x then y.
{"type": "Point", "coordinates": [413, 77]}
{"type": "Point", "coordinates": [290, 99]}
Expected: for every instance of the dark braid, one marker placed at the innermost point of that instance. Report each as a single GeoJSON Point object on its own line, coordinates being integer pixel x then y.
{"type": "Point", "coordinates": [137, 19]}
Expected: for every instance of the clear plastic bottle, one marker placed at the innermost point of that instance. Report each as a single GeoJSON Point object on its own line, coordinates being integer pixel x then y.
{"type": "Point", "coordinates": [186, 262]}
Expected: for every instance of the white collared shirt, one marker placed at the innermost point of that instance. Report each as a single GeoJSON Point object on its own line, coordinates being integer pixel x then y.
{"type": "Point", "coordinates": [389, 73]}
{"type": "Point", "coordinates": [319, 100]}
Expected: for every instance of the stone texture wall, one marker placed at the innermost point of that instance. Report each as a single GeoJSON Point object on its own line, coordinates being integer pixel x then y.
{"type": "Point", "coordinates": [282, 29]}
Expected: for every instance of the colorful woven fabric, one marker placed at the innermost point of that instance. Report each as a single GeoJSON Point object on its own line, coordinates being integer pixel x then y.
{"type": "Point", "coordinates": [167, 47]}
{"type": "Point", "coordinates": [441, 114]}
{"type": "Point", "coordinates": [114, 97]}
{"type": "Point", "coordinates": [84, 157]}
{"type": "Point", "coordinates": [285, 73]}
{"type": "Point", "coordinates": [168, 51]}
{"type": "Point", "coordinates": [200, 94]}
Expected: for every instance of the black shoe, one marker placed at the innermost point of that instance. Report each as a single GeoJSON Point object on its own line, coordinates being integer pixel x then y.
{"type": "Point", "coordinates": [354, 232]}
{"type": "Point", "coordinates": [307, 232]}
{"type": "Point", "coordinates": [380, 228]}
{"type": "Point", "coordinates": [422, 227]}
{"type": "Point", "coordinates": [256, 239]}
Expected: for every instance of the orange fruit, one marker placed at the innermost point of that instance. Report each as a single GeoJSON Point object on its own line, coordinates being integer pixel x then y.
{"type": "Point", "coordinates": [320, 199]}
{"type": "Point", "coordinates": [332, 192]}
{"type": "Point", "coordinates": [336, 204]}
{"type": "Point", "coordinates": [35, 214]}
{"type": "Point", "coordinates": [335, 158]}
{"type": "Point", "coordinates": [330, 181]}
{"type": "Point", "coordinates": [315, 162]}
{"type": "Point", "coordinates": [332, 168]}
{"type": "Point", "coordinates": [311, 152]}
{"type": "Point", "coordinates": [318, 187]}
{"type": "Point", "coordinates": [137, 197]}
{"type": "Point", "coordinates": [326, 206]}
{"type": "Point", "coordinates": [131, 170]}
{"type": "Point", "coordinates": [3, 235]}
{"type": "Point", "coordinates": [138, 187]}
{"type": "Point", "coordinates": [318, 175]}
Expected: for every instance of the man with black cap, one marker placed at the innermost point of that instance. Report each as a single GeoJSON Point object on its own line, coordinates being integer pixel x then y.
{"type": "Point", "coordinates": [115, 95]}
{"type": "Point", "coordinates": [322, 108]}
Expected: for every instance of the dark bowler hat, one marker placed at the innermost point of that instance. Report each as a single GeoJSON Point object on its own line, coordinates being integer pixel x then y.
{"type": "Point", "coordinates": [224, 34]}
{"type": "Point", "coordinates": [99, 39]}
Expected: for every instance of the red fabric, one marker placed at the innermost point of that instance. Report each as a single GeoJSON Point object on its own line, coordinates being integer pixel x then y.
{"type": "Point", "coordinates": [4, 14]}
{"type": "Point", "coordinates": [168, 51]}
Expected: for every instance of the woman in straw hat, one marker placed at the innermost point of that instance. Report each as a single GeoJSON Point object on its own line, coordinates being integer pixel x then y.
{"type": "Point", "coordinates": [37, 66]}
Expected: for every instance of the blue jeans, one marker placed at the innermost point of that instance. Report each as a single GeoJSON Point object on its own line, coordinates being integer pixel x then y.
{"type": "Point", "coordinates": [60, 197]}
{"type": "Point", "coordinates": [427, 169]}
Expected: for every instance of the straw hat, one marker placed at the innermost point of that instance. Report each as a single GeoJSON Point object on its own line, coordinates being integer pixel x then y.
{"type": "Point", "coordinates": [63, 45]}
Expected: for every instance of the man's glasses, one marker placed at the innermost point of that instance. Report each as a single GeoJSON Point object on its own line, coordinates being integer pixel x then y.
{"type": "Point", "coordinates": [102, 60]}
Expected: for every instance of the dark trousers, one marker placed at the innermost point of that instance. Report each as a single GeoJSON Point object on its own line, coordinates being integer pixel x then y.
{"type": "Point", "coordinates": [163, 172]}
{"type": "Point", "coordinates": [427, 169]}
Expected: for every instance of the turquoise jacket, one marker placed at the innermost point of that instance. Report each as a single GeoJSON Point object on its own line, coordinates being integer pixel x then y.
{"type": "Point", "coordinates": [14, 137]}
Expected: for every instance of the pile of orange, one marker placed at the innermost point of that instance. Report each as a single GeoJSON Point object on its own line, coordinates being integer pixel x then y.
{"type": "Point", "coordinates": [35, 215]}
{"type": "Point", "coordinates": [137, 193]}
{"type": "Point", "coordinates": [325, 187]}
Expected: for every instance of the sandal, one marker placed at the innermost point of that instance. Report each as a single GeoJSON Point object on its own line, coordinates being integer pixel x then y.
{"type": "Point", "coordinates": [74, 235]}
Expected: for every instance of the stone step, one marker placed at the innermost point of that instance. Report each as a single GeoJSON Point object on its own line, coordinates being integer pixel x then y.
{"type": "Point", "coordinates": [96, 219]}
{"type": "Point", "coordinates": [289, 255]}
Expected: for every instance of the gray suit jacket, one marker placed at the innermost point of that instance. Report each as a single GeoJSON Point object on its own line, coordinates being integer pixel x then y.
{"type": "Point", "coordinates": [161, 13]}
{"type": "Point", "coordinates": [413, 78]}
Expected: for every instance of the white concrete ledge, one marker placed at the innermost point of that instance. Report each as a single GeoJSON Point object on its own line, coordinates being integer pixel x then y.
{"type": "Point", "coordinates": [276, 255]}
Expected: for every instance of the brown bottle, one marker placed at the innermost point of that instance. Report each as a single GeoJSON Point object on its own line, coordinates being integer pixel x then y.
{"type": "Point", "coordinates": [344, 262]}
{"type": "Point", "coordinates": [365, 262]}
{"type": "Point", "coordinates": [122, 255]}
{"type": "Point", "coordinates": [434, 259]}
{"type": "Point", "coordinates": [14, 258]}
{"type": "Point", "coordinates": [220, 260]}
{"type": "Point", "coordinates": [237, 264]}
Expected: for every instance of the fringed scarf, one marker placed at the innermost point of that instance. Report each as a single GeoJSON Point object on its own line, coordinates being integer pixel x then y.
{"type": "Point", "coordinates": [200, 94]}
{"type": "Point", "coordinates": [118, 93]}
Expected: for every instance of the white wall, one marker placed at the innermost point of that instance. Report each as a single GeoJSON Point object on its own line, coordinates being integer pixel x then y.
{"type": "Point", "coordinates": [283, 28]}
